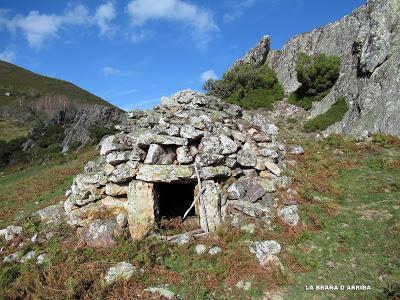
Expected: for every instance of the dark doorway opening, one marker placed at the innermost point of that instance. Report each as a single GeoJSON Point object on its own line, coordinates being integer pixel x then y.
{"type": "Point", "coordinates": [175, 199]}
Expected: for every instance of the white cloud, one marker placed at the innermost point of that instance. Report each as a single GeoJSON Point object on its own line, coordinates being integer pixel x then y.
{"type": "Point", "coordinates": [210, 74]}
{"type": "Point", "coordinates": [237, 9]}
{"type": "Point", "coordinates": [199, 20]}
{"type": "Point", "coordinates": [109, 71]}
{"type": "Point", "coordinates": [37, 27]}
{"type": "Point", "coordinates": [105, 13]}
{"type": "Point", "coordinates": [8, 56]}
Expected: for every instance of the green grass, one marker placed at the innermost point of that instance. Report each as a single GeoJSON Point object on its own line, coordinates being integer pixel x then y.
{"type": "Point", "coordinates": [25, 191]}
{"type": "Point", "coordinates": [358, 241]}
{"type": "Point", "coordinates": [12, 129]}
{"type": "Point", "coordinates": [334, 114]}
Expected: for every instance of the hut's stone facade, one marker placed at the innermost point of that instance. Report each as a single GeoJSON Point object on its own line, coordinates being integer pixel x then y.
{"type": "Point", "coordinates": [226, 160]}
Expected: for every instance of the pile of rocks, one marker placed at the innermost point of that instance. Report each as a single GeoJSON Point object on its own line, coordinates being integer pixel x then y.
{"type": "Point", "coordinates": [230, 156]}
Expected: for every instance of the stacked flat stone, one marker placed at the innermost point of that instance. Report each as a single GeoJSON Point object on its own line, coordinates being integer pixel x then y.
{"type": "Point", "coordinates": [236, 153]}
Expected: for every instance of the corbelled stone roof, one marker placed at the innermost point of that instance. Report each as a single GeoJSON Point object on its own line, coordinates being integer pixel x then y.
{"type": "Point", "coordinates": [188, 131]}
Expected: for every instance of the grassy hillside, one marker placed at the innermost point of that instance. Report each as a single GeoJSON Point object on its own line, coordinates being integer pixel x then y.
{"type": "Point", "coordinates": [23, 191]}
{"type": "Point", "coordinates": [21, 82]}
{"type": "Point", "coordinates": [349, 235]}
{"type": "Point", "coordinates": [11, 129]}
{"type": "Point", "coordinates": [27, 99]}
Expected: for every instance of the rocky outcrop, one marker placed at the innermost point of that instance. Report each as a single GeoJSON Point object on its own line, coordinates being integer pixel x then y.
{"type": "Point", "coordinates": [368, 43]}
{"type": "Point", "coordinates": [84, 120]}
{"type": "Point", "coordinates": [229, 158]}
{"type": "Point", "coordinates": [257, 55]}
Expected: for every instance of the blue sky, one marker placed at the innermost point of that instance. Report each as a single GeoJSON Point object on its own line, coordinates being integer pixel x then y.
{"type": "Point", "coordinates": [133, 52]}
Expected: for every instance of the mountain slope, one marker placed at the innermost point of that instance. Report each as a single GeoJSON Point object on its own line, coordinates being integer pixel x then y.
{"type": "Point", "coordinates": [31, 101]}
{"type": "Point", "coordinates": [31, 87]}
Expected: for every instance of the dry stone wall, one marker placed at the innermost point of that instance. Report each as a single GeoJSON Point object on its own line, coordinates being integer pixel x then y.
{"type": "Point", "coordinates": [231, 157]}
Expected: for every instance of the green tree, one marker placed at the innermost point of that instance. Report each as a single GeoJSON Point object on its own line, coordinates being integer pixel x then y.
{"type": "Point", "coordinates": [247, 86]}
{"type": "Point", "coordinates": [317, 74]}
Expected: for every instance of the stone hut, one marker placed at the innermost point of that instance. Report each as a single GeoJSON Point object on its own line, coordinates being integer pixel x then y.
{"type": "Point", "coordinates": [191, 155]}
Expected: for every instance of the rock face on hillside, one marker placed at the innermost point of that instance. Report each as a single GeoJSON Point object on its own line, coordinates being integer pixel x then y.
{"type": "Point", "coordinates": [29, 100]}
{"type": "Point", "coordinates": [368, 43]}
{"type": "Point", "coordinates": [258, 55]}
{"type": "Point", "coordinates": [84, 120]}
{"type": "Point", "coordinates": [191, 149]}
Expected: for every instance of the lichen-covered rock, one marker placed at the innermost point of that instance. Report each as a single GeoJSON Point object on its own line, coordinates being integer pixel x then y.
{"type": "Point", "coordinates": [214, 250]}
{"type": "Point", "coordinates": [115, 158]}
{"type": "Point", "coordinates": [228, 146]}
{"type": "Point", "coordinates": [53, 214]}
{"type": "Point", "coordinates": [289, 214]}
{"type": "Point", "coordinates": [239, 136]}
{"type": "Point", "coordinates": [236, 191]}
{"type": "Point", "coordinates": [296, 150]}
{"type": "Point", "coordinates": [191, 133]}
{"type": "Point", "coordinates": [207, 173]}
{"type": "Point", "coordinates": [183, 155]}
{"type": "Point", "coordinates": [247, 158]}
{"type": "Point", "coordinates": [110, 144]}
{"type": "Point", "coordinates": [142, 206]}
{"type": "Point", "coordinates": [164, 173]}
{"type": "Point", "coordinates": [162, 291]}
{"type": "Point", "coordinates": [12, 257]}
{"type": "Point", "coordinates": [28, 256]}
{"type": "Point", "coordinates": [260, 122]}
{"type": "Point", "coordinates": [208, 159]}
{"type": "Point", "coordinates": [124, 172]}
{"type": "Point", "coordinates": [255, 210]}
{"type": "Point", "coordinates": [273, 168]}
{"type": "Point", "coordinates": [113, 189]}
{"type": "Point", "coordinates": [147, 139]}
{"type": "Point", "coordinates": [153, 154]}
{"type": "Point", "coordinates": [210, 145]}
{"type": "Point", "coordinates": [99, 234]}
{"type": "Point", "coordinates": [210, 216]}
{"type": "Point", "coordinates": [200, 249]}
{"type": "Point", "coordinates": [233, 110]}
{"type": "Point", "coordinates": [263, 249]}
{"type": "Point", "coordinates": [11, 232]}
{"type": "Point", "coordinates": [122, 270]}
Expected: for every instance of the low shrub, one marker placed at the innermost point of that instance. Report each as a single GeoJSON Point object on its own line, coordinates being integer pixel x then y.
{"type": "Point", "coordinates": [334, 114]}
{"type": "Point", "coordinates": [317, 75]}
{"type": "Point", "coordinates": [75, 145]}
{"type": "Point", "coordinates": [247, 86]}
{"type": "Point", "coordinates": [52, 134]}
